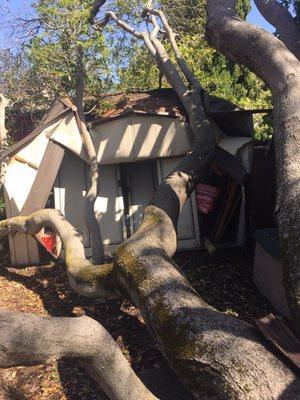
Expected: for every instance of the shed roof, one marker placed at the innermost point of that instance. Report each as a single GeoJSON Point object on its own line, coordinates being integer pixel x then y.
{"type": "Point", "coordinates": [156, 102]}
{"type": "Point", "coordinates": [163, 102]}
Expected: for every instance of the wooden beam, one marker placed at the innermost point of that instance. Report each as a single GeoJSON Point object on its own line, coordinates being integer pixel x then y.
{"type": "Point", "coordinates": [23, 161]}
{"type": "Point", "coordinates": [279, 335]}
{"type": "Point", "coordinates": [44, 179]}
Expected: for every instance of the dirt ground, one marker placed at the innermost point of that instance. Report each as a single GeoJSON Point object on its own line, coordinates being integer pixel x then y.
{"type": "Point", "coordinates": [223, 280]}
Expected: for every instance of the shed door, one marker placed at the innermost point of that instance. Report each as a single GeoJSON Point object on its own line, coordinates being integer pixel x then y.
{"type": "Point", "coordinates": [109, 208]}
{"type": "Point", "coordinates": [187, 227]}
{"type": "Point", "coordinates": [142, 181]}
{"type": "Point", "coordinates": [69, 191]}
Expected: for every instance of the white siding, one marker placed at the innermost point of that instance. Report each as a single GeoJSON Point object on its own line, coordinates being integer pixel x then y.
{"type": "Point", "coordinates": [136, 138]}
{"type": "Point", "coordinates": [18, 181]}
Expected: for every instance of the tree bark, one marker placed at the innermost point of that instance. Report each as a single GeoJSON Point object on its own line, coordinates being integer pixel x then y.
{"type": "Point", "coordinates": [216, 356]}
{"type": "Point", "coordinates": [269, 58]}
{"type": "Point", "coordinates": [278, 16]}
{"type": "Point", "coordinates": [31, 340]}
{"type": "Point", "coordinates": [92, 193]}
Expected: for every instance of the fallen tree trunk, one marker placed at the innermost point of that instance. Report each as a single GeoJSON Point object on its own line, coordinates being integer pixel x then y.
{"type": "Point", "coordinates": [215, 355]}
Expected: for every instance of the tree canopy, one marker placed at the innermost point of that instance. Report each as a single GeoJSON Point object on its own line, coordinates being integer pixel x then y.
{"type": "Point", "coordinates": [113, 61]}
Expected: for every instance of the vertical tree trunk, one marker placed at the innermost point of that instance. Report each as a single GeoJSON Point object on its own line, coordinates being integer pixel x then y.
{"type": "Point", "coordinates": [92, 193]}
{"type": "Point", "coordinates": [3, 137]}
{"type": "Point", "coordinates": [270, 59]}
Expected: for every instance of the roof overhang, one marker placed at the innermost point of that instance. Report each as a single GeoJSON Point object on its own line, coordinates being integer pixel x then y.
{"type": "Point", "coordinates": [60, 108]}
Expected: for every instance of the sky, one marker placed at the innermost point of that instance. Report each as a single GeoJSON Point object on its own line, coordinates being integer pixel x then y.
{"type": "Point", "coordinates": [23, 7]}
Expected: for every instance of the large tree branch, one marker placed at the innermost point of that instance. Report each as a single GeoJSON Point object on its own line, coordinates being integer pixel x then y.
{"type": "Point", "coordinates": [92, 193]}
{"type": "Point", "coordinates": [191, 99]}
{"type": "Point", "coordinates": [31, 340]}
{"type": "Point", "coordinates": [111, 15]}
{"type": "Point", "coordinates": [217, 356]}
{"type": "Point", "coordinates": [270, 59]}
{"type": "Point", "coordinates": [201, 344]}
{"type": "Point", "coordinates": [278, 16]}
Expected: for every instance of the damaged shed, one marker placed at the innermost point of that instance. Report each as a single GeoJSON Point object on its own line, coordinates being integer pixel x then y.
{"type": "Point", "coordinates": [138, 142]}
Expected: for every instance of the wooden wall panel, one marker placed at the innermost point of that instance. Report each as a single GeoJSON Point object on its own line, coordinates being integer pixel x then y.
{"type": "Point", "coordinates": [44, 180]}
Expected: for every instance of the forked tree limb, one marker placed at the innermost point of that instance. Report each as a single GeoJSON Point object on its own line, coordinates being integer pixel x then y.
{"type": "Point", "coordinates": [215, 355]}
{"type": "Point", "coordinates": [270, 59]}
{"type": "Point", "coordinates": [180, 60]}
{"type": "Point", "coordinates": [27, 339]}
{"type": "Point", "coordinates": [278, 16]}
{"type": "Point", "coordinates": [191, 99]}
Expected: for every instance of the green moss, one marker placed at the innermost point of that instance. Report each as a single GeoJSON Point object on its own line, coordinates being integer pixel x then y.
{"type": "Point", "coordinates": [92, 274]}
{"type": "Point", "coordinates": [174, 334]}
{"type": "Point", "coordinates": [130, 266]}
{"type": "Point", "coordinates": [184, 350]}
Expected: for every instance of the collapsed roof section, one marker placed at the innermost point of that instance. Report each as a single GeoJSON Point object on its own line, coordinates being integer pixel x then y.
{"type": "Point", "coordinates": [162, 102]}
{"type": "Point", "coordinates": [232, 120]}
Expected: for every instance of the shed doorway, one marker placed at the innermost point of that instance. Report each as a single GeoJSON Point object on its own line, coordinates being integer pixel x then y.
{"type": "Point", "coordinates": [139, 182]}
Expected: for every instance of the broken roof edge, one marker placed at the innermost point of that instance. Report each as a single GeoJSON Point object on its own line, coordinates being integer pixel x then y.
{"type": "Point", "coordinates": [162, 102]}
{"type": "Point", "coordinates": [59, 108]}
{"type": "Point", "coordinates": [157, 102]}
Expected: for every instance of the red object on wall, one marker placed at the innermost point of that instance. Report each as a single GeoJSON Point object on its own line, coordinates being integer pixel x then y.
{"type": "Point", "coordinates": [206, 196]}
{"type": "Point", "coordinates": [49, 241]}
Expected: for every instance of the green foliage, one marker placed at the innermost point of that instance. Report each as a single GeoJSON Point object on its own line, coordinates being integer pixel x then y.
{"type": "Point", "coordinates": [2, 206]}
{"type": "Point", "coordinates": [53, 51]}
{"type": "Point", "coordinates": [113, 59]}
{"type": "Point", "coordinates": [263, 127]}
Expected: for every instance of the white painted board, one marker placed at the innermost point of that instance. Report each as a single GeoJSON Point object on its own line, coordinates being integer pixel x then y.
{"type": "Point", "coordinates": [187, 227]}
